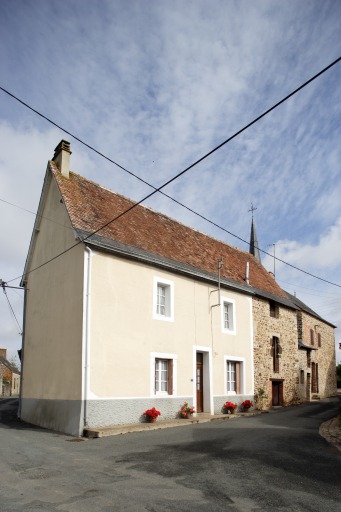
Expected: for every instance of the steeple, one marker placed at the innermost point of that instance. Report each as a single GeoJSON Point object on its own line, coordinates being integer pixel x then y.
{"type": "Point", "coordinates": [253, 237]}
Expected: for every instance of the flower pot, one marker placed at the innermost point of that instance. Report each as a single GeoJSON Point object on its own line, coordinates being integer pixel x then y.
{"type": "Point", "coordinates": [151, 419]}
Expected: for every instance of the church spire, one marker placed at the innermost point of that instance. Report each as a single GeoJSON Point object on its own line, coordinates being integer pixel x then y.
{"type": "Point", "coordinates": [253, 237]}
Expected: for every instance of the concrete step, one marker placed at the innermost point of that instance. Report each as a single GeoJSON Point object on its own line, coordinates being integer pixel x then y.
{"type": "Point", "coordinates": [114, 430]}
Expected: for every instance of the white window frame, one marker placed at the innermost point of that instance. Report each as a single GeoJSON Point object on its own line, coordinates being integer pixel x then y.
{"type": "Point", "coordinates": [229, 382]}
{"type": "Point", "coordinates": [170, 357]}
{"type": "Point", "coordinates": [241, 361]}
{"type": "Point", "coordinates": [169, 306]}
{"type": "Point", "coordinates": [231, 303]}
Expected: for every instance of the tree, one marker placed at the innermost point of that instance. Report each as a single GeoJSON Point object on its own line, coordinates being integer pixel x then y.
{"type": "Point", "coordinates": [14, 360]}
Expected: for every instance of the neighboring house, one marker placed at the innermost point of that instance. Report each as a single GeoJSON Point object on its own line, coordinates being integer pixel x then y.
{"type": "Point", "coordinates": [294, 349]}
{"type": "Point", "coordinates": [316, 354]}
{"type": "Point", "coordinates": [141, 312]}
{"type": "Point", "coordinates": [9, 376]}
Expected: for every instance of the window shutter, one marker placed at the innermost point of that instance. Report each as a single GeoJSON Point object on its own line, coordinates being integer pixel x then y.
{"type": "Point", "coordinates": [319, 339]}
{"type": "Point", "coordinates": [238, 378]}
{"type": "Point", "coordinates": [311, 336]}
{"type": "Point", "coordinates": [170, 376]}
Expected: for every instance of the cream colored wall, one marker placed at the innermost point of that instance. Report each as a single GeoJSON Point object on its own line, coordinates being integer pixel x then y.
{"type": "Point", "coordinates": [53, 329]}
{"type": "Point", "coordinates": [124, 332]}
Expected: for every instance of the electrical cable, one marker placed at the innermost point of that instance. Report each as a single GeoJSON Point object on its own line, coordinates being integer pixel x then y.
{"type": "Point", "coordinates": [12, 310]}
{"type": "Point", "coordinates": [159, 189]}
{"type": "Point", "coordinates": [34, 213]}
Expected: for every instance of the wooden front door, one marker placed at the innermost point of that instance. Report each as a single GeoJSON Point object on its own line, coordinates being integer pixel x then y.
{"type": "Point", "coordinates": [277, 387]}
{"type": "Point", "coordinates": [199, 382]}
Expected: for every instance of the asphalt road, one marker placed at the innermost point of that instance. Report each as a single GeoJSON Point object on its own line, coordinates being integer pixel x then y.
{"type": "Point", "coordinates": [271, 462]}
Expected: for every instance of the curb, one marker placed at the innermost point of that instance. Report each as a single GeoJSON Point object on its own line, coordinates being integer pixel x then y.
{"type": "Point", "coordinates": [114, 430]}
{"type": "Point", "coordinates": [331, 431]}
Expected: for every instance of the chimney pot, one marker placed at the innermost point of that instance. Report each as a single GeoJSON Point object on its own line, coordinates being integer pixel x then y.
{"type": "Point", "coordinates": [62, 157]}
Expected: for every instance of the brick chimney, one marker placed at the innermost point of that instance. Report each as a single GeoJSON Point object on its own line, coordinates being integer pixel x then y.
{"type": "Point", "coordinates": [3, 353]}
{"type": "Point", "coordinates": [62, 157]}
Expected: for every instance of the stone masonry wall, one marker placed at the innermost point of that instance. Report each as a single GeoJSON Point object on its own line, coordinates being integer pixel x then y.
{"type": "Point", "coordinates": [323, 356]}
{"type": "Point", "coordinates": [284, 327]}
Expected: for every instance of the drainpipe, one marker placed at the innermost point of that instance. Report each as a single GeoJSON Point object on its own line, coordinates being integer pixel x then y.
{"type": "Point", "coordinates": [86, 327]}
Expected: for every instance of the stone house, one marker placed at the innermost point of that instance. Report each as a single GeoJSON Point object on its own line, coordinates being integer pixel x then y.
{"type": "Point", "coordinates": [294, 352]}
{"type": "Point", "coordinates": [127, 309]}
{"type": "Point", "coordinates": [316, 344]}
{"type": "Point", "coordinates": [9, 376]}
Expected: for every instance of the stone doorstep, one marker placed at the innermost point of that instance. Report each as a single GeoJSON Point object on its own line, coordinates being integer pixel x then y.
{"type": "Point", "coordinates": [114, 430]}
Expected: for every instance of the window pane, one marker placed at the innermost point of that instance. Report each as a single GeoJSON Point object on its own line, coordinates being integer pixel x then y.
{"type": "Point", "coordinates": [231, 376]}
{"type": "Point", "coordinates": [226, 316]}
{"type": "Point", "coordinates": [161, 300]}
{"type": "Point", "coordinates": [161, 375]}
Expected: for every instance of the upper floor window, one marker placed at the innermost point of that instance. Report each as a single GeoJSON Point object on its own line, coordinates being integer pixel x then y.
{"type": "Point", "coordinates": [274, 309]}
{"type": "Point", "coordinates": [319, 344]}
{"type": "Point", "coordinates": [275, 352]}
{"type": "Point", "coordinates": [228, 314]}
{"type": "Point", "coordinates": [312, 337]}
{"type": "Point", "coordinates": [163, 299]}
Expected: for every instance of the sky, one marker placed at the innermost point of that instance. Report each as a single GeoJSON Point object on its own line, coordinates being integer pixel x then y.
{"type": "Point", "coordinates": [155, 85]}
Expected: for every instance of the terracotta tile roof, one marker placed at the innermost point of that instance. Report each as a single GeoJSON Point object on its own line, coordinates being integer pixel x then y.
{"type": "Point", "coordinates": [90, 206]}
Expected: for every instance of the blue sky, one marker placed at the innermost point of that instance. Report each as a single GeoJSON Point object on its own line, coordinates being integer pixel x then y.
{"type": "Point", "coordinates": [155, 85]}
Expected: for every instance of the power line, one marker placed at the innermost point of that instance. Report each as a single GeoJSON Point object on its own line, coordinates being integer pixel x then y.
{"type": "Point", "coordinates": [10, 307]}
{"type": "Point", "coordinates": [197, 161]}
{"type": "Point", "coordinates": [160, 189]}
{"type": "Point", "coordinates": [33, 213]}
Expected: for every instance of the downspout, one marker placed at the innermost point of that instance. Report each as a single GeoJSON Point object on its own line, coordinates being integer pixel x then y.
{"type": "Point", "coordinates": [86, 337]}
{"type": "Point", "coordinates": [22, 355]}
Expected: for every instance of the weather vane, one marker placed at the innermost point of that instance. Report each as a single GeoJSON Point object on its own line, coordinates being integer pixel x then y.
{"type": "Point", "coordinates": [252, 209]}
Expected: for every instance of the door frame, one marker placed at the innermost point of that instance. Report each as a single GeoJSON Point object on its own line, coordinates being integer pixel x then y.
{"type": "Point", "coordinates": [280, 383]}
{"type": "Point", "coordinates": [207, 378]}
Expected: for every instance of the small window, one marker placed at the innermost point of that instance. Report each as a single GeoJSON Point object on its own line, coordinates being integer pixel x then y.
{"type": "Point", "coordinates": [228, 316]}
{"type": "Point", "coordinates": [275, 353]}
{"type": "Point", "coordinates": [163, 376]}
{"type": "Point", "coordinates": [233, 377]}
{"type": "Point", "coordinates": [302, 377]}
{"type": "Point", "coordinates": [163, 299]}
{"type": "Point", "coordinates": [312, 337]}
{"type": "Point", "coordinates": [319, 344]}
{"type": "Point", "coordinates": [274, 309]}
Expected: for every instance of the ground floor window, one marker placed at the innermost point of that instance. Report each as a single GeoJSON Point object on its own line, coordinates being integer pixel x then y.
{"type": "Point", "coordinates": [234, 376]}
{"type": "Point", "coordinates": [163, 370]}
{"type": "Point", "coordinates": [302, 377]}
{"type": "Point", "coordinates": [163, 375]}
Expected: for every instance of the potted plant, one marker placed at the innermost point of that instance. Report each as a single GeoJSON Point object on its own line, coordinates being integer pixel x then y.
{"type": "Point", "coordinates": [246, 405]}
{"type": "Point", "coordinates": [229, 407]}
{"type": "Point", "coordinates": [186, 411]}
{"type": "Point", "coordinates": [152, 414]}
{"type": "Point", "coordinates": [260, 399]}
